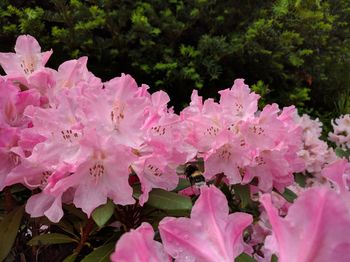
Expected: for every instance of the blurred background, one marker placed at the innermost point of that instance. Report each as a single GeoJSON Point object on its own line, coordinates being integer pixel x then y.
{"type": "Point", "coordinates": [288, 51]}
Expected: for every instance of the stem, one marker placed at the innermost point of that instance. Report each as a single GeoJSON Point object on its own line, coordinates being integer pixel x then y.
{"type": "Point", "coordinates": [85, 234]}
{"type": "Point", "coordinates": [8, 199]}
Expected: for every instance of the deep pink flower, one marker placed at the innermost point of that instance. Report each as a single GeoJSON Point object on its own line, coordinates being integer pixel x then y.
{"type": "Point", "coordinates": [211, 234]}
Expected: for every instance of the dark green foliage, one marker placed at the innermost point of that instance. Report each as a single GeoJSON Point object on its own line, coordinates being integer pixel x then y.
{"type": "Point", "coordinates": [292, 51]}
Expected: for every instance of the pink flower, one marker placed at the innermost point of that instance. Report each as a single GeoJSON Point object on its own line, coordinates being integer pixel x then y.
{"type": "Point", "coordinates": [265, 131]}
{"type": "Point", "coordinates": [101, 171]}
{"type": "Point", "coordinates": [27, 59]}
{"type": "Point", "coordinates": [341, 133]}
{"type": "Point", "coordinates": [316, 228]}
{"type": "Point", "coordinates": [338, 172]}
{"type": "Point", "coordinates": [230, 157]}
{"type": "Point", "coordinates": [138, 246]}
{"type": "Point", "coordinates": [239, 103]}
{"type": "Point", "coordinates": [211, 234]}
{"type": "Point", "coordinates": [315, 152]}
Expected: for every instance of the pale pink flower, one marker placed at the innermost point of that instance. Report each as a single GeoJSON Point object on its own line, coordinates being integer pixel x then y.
{"type": "Point", "coordinates": [138, 246]}
{"type": "Point", "coordinates": [211, 234]}
{"type": "Point", "coordinates": [230, 157]}
{"type": "Point", "coordinates": [154, 172]}
{"type": "Point", "coordinates": [239, 103]}
{"type": "Point", "coordinates": [271, 168]}
{"type": "Point", "coordinates": [265, 131]}
{"type": "Point", "coordinates": [315, 152]}
{"type": "Point", "coordinates": [8, 158]}
{"type": "Point", "coordinates": [101, 171]}
{"type": "Point", "coordinates": [27, 60]}
{"type": "Point", "coordinates": [338, 173]}
{"type": "Point", "coordinates": [341, 131]}
{"type": "Point", "coordinates": [316, 228]}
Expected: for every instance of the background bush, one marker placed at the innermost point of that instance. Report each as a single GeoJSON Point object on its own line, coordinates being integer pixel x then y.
{"type": "Point", "coordinates": [291, 52]}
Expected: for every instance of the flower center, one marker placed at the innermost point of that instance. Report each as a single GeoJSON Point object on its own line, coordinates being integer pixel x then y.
{"type": "Point", "coordinates": [155, 171]}
{"type": "Point", "coordinates": [97, 170]}
{"type": "Point", "coordinates": [69, 135]}
{"type": "Point", "coordinates": [28, 64]}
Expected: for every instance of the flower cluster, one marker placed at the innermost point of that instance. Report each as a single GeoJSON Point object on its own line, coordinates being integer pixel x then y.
{"type": "Point", "coordinates": [74, 139]}
{"type": "Point", "coordinates": [341, 132]}
{"type": "Point", "coordinates": [315, 152]}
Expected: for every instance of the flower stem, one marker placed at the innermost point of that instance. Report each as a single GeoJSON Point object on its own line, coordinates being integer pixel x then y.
{"type": "Point", "coordinates": [85, 234]}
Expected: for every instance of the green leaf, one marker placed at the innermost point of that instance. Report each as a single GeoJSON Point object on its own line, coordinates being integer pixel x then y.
{"type": "Point", "coordinates": [169, 201]}
{"type": "Point", "coordinates": [49, 239]}
{"type": "Point", "coordinates": [244, 258]}
{"type": "Point", "coordinates": [243, 192]}
{"type": "Point", "coordinates": [300, 179]}
{"type": "Point", "coordinates": [103, 213]}
{"type": "Point", "coordinates": [289, 195]}
{"type": "Point", "coordinates": [71, 258]}
{"type": "Point", "coordinates": [100, 254]}
{"type": "Point", "coordinates": [8, 230]}
{"type": "Point", "coordinates": [274, 258]}
{"type": "Point", "coordinates": [342, 153]}
{"type": "Point", "coordinates": [183, 184]}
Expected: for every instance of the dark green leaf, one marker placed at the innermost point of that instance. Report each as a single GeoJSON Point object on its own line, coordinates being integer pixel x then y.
{"type": "Point", "coordinates": [183, 184]}
{"type": "Point", "coordinates": [342, 153]}
{"type": "Point", "coordinates": [8, 230]}
{"type": "Point", "coordinates": [274, 258]}
{"type": "Point", "coordinates": [169, 201]}
{"type": "Point", "coordinates": [243, 192]}
{"type": "Point", "coordinates": [71, 258]}
{"type": "Point", "coordinates": [136, 191]}
{"type": "Point", "coordinates": [75, 211]}
{"type": "Point", "coordinates": [289, 195]}
{"type": "Point", "coordinates": [49, 239]}
{"type": "Point", "coordinates": [244, 258]}
{"type": "Point", "coordinates": [300, 179]}
{"type": "Point", "coordinates": [100, 254]}
{"type": "Point", "coordinates": [103, 213]}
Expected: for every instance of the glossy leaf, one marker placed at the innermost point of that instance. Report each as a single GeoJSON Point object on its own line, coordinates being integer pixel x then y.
{"type": "Point", "coordinates": [49, 239]}
{"type": "Point", "coordinates": [71, 258]}
{"type": "Point", "coordinates": [103, 213]}
{"type": "Point", "coordinates": [100, 254]}
{"type": "Point", "coordinates": [183, 184]}
{"type": "Point", "coordinates": [8, 230]}
{"type": "Point", "coordinates": [289, 195]}
{"type": "Point", "coordinates": [169, 201]}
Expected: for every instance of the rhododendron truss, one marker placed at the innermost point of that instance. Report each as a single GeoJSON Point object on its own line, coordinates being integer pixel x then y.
{"type": "Point", "coordinates": [100, 170]}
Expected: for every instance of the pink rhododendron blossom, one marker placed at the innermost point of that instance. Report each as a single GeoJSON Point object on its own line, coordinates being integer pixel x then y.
{"type": "Point", "coordinates": [316, 228]}
{"type": "Point", "coordinates": [138, 246]}
{"type": "Point", "coordinates": [101, 172]}
{"type": "Point", "coordinates": [315, 152]}
{"type": "Point", "coordinates": [242, 143]}
{"type": "Point", "coordinates": [8, 158]}
{"type": "Point", "coordinates": [341, 131]}
{"type": "Point", "coordinates": [338, 173]}
{"type": "Point", "coordinates": [27, 60]}
{"type": "Point", "coordinates": [211, 234]}
{"type": "Point", "coordinates": [239, 103]}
